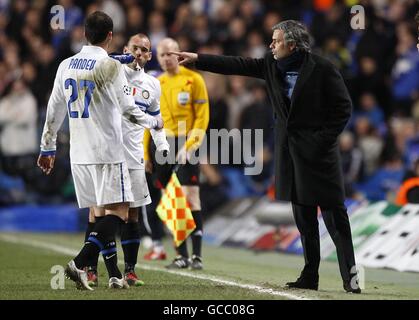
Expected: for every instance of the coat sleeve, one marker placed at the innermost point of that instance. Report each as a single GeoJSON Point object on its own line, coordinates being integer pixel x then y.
{"type": "Point", "coordinates": [231, 65]}
{"type": "Point", "coordinates": [339, 105]}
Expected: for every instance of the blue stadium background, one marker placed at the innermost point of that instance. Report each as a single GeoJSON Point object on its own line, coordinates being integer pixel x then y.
{"type": "Point", "coordinates": [380, 65]}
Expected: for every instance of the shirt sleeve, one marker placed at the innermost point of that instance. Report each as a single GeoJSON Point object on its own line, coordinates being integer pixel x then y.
{"type": "Point", "coordinates": [127, 103]}
{"type": "Point", "coordinates": [154, 108]}
{"type": "Point", "coordinates": [159, 136]}
{"type": "Point", "coordinates": [56, 111]}
{"type": "Point", "coordinates": [200, 107]}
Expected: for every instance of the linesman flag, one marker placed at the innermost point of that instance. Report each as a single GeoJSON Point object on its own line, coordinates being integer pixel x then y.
{"type": "Point", "coordinates": [175, 212]}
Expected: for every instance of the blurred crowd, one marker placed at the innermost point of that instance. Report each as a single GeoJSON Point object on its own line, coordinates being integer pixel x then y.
{"type": "Point", "coordinates": [380, 65]}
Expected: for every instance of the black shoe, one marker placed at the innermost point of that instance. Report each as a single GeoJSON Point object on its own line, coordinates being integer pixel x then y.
{"type": "Point", "coordinates": [179, 263]}
{"type": "Point", "coordinates": [304, 283]}
{"type": "Point", "coordinates": [196, 263]}
{"type": "Point", "coordinates": [350, 289]}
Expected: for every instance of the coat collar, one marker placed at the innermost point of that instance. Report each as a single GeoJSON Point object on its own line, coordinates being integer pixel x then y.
{"type": "Point", "coordinates": [277, 80]}
{"type": "Point", "coordinates": [305, 73]}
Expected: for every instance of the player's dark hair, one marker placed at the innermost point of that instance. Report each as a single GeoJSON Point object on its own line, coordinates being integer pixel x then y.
{"type": "Point", "coordinates": [97, 26]}
{"type": "Point", "coordinates": [417, 17]}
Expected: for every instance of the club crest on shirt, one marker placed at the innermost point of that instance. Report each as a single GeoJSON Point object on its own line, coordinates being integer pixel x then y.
{"type": "Point", "coordinates": [183, 98]}
{"type": "Point", "coordinates": [145, 94]}
{"type": "Point", "coordinates": [130, 91]}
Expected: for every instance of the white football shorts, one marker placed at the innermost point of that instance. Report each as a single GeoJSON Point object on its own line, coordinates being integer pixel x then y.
{"type": "Point", "coordinates": [101, 184]}
{"type": "Point", "coordinates": [139, 188]}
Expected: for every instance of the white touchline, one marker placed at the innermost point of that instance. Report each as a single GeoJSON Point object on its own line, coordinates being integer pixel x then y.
{"type": "Point", "coordinates": [71, 252]}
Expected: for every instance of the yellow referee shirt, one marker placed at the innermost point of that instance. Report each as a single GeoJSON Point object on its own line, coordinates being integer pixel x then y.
{"type": "Point", "coordinates": [184, 108]}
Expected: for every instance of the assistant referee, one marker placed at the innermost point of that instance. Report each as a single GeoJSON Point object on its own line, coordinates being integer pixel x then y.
{"type": "Point", "coordinates": [185, 110]}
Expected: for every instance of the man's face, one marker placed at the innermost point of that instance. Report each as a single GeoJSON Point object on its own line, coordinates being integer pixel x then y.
{"type": "Point", "coordinates": [140, 48]}
{"type": "Point", "coordinates": [278, 46]}
{"type": "Point", "coordinates": [168, 62]}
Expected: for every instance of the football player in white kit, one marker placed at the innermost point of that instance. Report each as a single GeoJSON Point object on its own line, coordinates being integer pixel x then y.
{"type": "Point", "coordinates": [146, 91]}
{"type": "Point", "coordinates": [93, 90]}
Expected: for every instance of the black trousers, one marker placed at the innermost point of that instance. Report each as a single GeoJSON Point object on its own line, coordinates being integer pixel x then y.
{"type": "Point", "coordinates": [337, 224]}
{"type": "Point", "coordinates": [154, 222]}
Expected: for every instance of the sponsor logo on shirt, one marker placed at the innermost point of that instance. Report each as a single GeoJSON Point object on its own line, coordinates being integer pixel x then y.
{"type": "Point", "coordinates": [183, 98]}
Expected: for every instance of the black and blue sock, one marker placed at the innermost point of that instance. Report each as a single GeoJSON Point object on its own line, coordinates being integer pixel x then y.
{"type": "Point", "coordinates": [101, 238]}
{"type": "Point", "coordinates": [92, 263]}
{"type": "Point", "coordinates": [110, 257]}
{"type": "Point", "coordinates": [130, 241]}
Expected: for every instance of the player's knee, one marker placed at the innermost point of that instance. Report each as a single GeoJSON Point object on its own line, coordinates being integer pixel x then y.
{"type": "Point", "coordinates": [118, 209]}
{"type": "Point", "coordinates": [96, 212]}
{"type": "Point", "coordinates": [92, 218]}
{"type": "Point", "coordinates": [133, 215]}
{"type": "Point", "coordinates": [121, 215]}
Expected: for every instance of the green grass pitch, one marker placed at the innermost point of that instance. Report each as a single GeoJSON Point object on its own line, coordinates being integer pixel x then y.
{"type": "Point", "coordinates": [26, 260]}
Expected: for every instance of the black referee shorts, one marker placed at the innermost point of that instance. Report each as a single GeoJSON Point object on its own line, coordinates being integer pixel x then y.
{"type": "Point", "coordinates": [188, 174]}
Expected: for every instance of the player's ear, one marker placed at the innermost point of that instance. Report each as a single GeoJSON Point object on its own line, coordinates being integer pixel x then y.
{"type": "Point", "coordinates": [126, 49]}
{"type": "Point", "coordinates": [150, 56]}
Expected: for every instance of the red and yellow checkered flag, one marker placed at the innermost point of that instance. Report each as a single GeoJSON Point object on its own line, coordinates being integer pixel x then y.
{"type": "Point", "coordinates": [175, 212]}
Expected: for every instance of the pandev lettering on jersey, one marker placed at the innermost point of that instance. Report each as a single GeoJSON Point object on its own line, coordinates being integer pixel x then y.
{"type": "Point", "coordinates": [82, 64]}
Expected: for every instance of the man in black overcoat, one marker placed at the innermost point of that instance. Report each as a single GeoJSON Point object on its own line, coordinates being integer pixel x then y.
{"type": "Point", "coordinates": [311, 108]}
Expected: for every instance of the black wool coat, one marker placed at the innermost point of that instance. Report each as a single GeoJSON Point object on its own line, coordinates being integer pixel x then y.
{"type": "Point", "coordinates": [307, 162]}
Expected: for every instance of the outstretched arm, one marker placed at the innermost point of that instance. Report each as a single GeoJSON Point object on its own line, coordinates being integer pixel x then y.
{"type": "Point", "coordinates": [224, 64]}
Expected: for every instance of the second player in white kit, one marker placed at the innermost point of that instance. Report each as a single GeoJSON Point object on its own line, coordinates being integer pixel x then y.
{"type": "Point", "coordinates": [146, 92]}
{"type": "Point", "coordinates": [92, 89]}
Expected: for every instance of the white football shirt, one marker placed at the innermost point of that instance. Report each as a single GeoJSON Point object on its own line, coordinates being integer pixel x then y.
{"type": "Point", "coordinates": [92, 89]}
{"type": "Point", "coordinates": [146, 92]}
